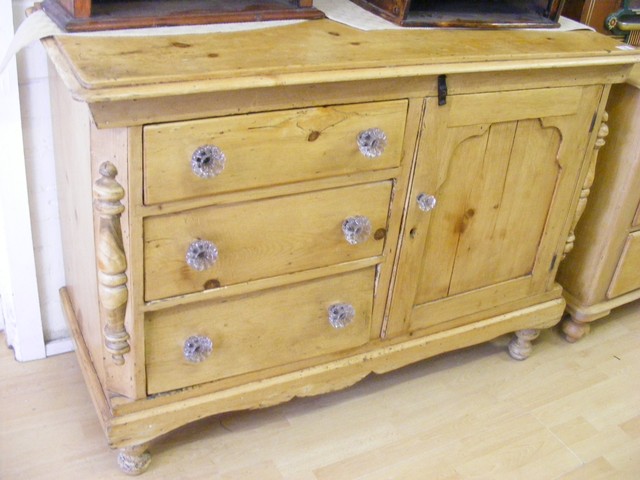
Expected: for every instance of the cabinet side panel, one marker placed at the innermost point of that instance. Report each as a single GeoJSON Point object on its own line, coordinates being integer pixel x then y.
{"type": "Point", "coordinates": [112, 145]}
{"type": "Point", "coordinates": [71, 127]}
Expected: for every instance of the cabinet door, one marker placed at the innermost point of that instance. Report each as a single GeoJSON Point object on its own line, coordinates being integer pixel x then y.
{"type": "Point", "coordinates": [504, 170]}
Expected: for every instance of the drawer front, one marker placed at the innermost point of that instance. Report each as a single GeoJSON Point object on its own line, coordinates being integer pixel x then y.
{"type": "Point", "coordinates": [627, 275]}
{"type": "Point", "coordinates": [266, 149]}
{"type": "Point", "coordinates": [255, 332]}
{"type": "Point", "coordinates": [261, 239]}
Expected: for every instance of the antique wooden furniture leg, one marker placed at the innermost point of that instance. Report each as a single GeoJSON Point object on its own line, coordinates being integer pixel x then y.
{"type": "Point", "coordinates": [134, 460]}
{"type": "Point", "coordinates": [520, 346]}
{"type": "Point", "coordinates": [574, 329]}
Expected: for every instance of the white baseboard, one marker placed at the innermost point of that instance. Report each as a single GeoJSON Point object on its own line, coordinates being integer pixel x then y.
{"type": "Point", "coordinates": [56, 347]}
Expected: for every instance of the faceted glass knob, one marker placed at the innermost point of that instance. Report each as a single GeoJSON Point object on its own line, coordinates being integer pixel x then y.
{"type": "Point", "coordinates": [197, 348]}
{"type": "Point", "coordinates": [356, 229]}
{"type": "Point", "coordinates": [201, 255]}
{"type": "Point", "coordinates": [207, 161]}
{"type": "Point", "coordinates": [426, 203]}
{"type": "Point", "coordinates": [372, 142]}
{"type": "Point", "coordinates": [341, 314]}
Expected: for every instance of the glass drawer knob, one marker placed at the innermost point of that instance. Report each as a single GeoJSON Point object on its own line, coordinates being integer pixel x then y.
{"type": "Point", "coordinates": [197, 348]}
{"type": "Point", "coordinates": [356, 229]}
{"type": "Point", "coordinates": [207, 161]}
{"type": "Point", "coordinates": [341, 314]}
{"type": "Point", "coordinates": [372, 142]}
{"type": "Point", "coordinates": [426, 203]}
{"type": "Point", "coordinates": [201, 255]}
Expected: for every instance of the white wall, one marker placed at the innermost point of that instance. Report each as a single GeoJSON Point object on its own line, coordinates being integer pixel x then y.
{"type": "Point", "coordinates": [40, 180]}
{"type": "Point", "coordinates": [40, 168]}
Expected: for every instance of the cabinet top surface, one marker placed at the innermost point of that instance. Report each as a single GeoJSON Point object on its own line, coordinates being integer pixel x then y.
{"type": "Point", "coordinates": [107, 68]}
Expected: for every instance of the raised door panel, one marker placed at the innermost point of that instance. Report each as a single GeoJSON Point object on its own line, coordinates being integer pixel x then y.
{"type": "Point", "coordinates": [504, 179]}
{"type": "Point", "coordinates": [488, 210]}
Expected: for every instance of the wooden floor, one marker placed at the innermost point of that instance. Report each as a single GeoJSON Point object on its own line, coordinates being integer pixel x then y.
{"type": "Point", "coordinates": [568, 412]}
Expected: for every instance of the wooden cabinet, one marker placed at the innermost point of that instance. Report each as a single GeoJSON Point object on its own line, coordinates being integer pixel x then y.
{"type": "Point", "coordinates": [245, 228]}
{"type": "Point", "coordinates": [603, 271]}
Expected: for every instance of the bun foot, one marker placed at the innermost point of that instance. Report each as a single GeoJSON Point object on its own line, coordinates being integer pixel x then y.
{"type": "Point", "coordinates": [134, 460]}
{"type": "Point", "coordinates": [574, 330]}
{"type": "Point", "coordinates": [520, 346]}
{"type": "Point", "coordinates": [576, 323]}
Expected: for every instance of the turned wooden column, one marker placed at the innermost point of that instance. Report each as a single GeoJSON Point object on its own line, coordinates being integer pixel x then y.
{"type": "Point", "coordinates": [603, 131]}
{"type": "Point", "coordinates": [111, 261]}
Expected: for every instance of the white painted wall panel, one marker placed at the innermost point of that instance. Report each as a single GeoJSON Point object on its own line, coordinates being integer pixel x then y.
{"type": "Point", "coordinates": [18, 281]}
{"type": "Point", "coordinates": [40, 179]}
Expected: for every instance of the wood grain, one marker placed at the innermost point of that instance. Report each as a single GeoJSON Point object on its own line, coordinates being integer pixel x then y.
{"type": "Point", "coordinates": [498, 185]}
{"type": "Point", "coordinates": [262, 239]}
{"type": "Point", "coordinates": [309, 144]}
{"type": "Point", "coordinates": [258, 331]}
{"type": "Point", "coordinates": [119, 68]}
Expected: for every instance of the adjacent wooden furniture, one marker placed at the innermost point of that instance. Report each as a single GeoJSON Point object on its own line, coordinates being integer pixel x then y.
{"type": "Point", "coordinates": [592, 12]}
{"type": "Point", "coordinates": [603, 271]}
{"type": "Point", "coordinates": [242, 227]}
{"type": "Point", "coordinates": [463, 13]}
{"type": "Point", "coordinates": [619, 18]}
{"type": "Point", "coordinates": [91, 15]}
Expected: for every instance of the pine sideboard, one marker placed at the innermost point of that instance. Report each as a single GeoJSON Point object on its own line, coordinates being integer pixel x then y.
{"type": "Point", "coordinates": [603, 271]}
{"type": "Point", "coordinates": [249, 217]}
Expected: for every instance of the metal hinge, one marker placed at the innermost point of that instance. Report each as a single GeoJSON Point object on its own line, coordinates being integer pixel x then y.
{"type": "Point", "coordinates": [442, 90]}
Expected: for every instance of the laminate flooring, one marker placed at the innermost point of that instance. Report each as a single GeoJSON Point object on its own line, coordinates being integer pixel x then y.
{"type": "Point", "coordinates": [570, 412]}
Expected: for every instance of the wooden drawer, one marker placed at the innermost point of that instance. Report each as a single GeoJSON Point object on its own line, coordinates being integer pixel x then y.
{"type": "Point", "coordinates": [266, 149]}
{"type": "Point", "coordinates": [258, 331]}
{"type": "Point", "coordinates": [263, 238]}
{"type": "Point", "coordinates": [627, 275]}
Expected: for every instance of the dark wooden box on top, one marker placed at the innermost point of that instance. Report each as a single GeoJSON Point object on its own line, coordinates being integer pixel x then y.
{"type": "Point", "coordinates": [468, 13]}
{"type": "Point", "coordinates": [89, 15]}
